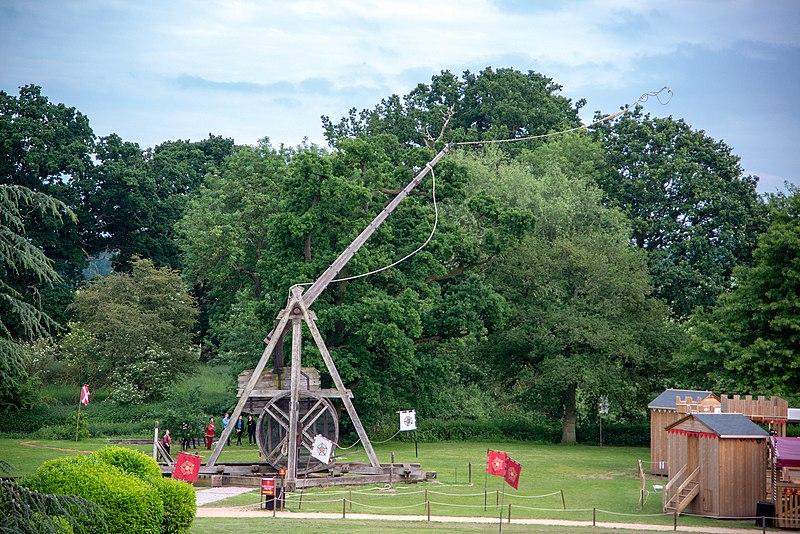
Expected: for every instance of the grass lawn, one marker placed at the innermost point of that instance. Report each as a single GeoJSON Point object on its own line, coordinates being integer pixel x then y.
{"type": "Point", "coordinates": [590, 477]}
{"type": "Point", "coordinates": [237, 526]}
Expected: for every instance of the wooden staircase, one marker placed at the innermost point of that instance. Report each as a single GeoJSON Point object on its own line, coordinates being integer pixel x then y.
{"type": "Point", "coordinates": [676, 499]}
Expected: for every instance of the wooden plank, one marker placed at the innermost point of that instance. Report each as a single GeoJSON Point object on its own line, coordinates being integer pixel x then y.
{"type": "Point", "coordinates": [348, 404]}
{"type": "Point", "coordinates": [294, 406]}
{"type": "Point", "coordinates": [261, 394]}
{"type": "Point", "coordinates": [275, 336]}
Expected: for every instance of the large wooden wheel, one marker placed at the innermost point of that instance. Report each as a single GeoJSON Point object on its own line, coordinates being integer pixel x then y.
{"type": "Point", "coordinates": [316, 415]}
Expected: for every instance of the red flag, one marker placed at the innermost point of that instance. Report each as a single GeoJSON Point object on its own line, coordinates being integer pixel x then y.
{"type": "Point", "coordinates": [187, 467]}
{"type": "Point", "coordinates": [85, 395]}
{"type": "Point", "coordinates": [496, 463]}
{"type": "Point", "coordinates": [513, 470]}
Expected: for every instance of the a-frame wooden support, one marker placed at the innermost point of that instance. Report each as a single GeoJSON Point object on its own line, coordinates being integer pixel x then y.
{"type": "Point", "coordinates": [297, 312]}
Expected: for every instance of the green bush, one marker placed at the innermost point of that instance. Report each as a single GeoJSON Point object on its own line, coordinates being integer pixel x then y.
{"type": "Point", "coordinates": [130, 504]}
{"type": "Point", "coordinates": [130, 461]}
{"type": "Point", "coordinates": [180, 505]}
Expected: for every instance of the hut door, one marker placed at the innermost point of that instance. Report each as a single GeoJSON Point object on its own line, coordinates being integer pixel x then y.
{"type": "Point", "coordinates": [692, 453]}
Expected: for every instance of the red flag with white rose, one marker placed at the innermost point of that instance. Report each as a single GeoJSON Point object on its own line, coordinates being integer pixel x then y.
{"type": "Point", "coordinates": [187, 467]}
{"type": "Point", "coordinates": [513, 470]}
{"type": "Point", "coordinates": [496, 463]}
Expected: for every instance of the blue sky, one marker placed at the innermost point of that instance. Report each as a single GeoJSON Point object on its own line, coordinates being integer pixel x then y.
{"type": "Point", "coordinates": [152, 71]}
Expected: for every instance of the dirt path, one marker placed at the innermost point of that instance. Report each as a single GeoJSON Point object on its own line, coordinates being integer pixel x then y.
{"type": "Point", "coordinates": [247, 511]}
{"type": "Point", "coordinates": [37, 446]}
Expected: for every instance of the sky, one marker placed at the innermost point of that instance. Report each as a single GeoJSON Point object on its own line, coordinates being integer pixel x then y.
{"type": "Point", "coordinates": [154, 71]}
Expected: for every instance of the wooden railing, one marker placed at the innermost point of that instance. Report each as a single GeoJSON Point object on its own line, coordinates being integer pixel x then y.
{"type": "Point", "coordinates": [677, 476]}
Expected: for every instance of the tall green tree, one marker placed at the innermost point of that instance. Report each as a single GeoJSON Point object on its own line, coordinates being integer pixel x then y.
{"type": "Point", "coordinates": [140, 327]}
{"type": "Point", "coordinates": [272, 218]}
{"type": "Point", "coordinates": [491, 104]}
{"type": "Point", "coordinates": [750, 341]}
{"type": "Point", "coordinates": [691, 206]}
{"type": "Point", "coordinates": [21, 315]}
{"type": "Point", "coordinates": [583, 320]}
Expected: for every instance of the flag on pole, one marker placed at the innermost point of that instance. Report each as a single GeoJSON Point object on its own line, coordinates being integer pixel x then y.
{"type": "Point", "coordinates": [513, 470]}
{"type": "Point", "coordinates": [85, 395]}
{"type": "Point", "coordinates": [187, 467]}
{"type": "Point", "coordinates": [496, 463]}
{"type": "Point", "coordinates": [408, 420]}
{"type": "Point", "coordinates": [322, 449]}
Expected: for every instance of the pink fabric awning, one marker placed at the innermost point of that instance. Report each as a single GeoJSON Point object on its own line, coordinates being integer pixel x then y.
{"type": "Point", "coordinates": [787, 451]}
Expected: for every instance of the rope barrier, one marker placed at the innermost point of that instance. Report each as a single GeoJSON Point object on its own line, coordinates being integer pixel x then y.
{"type": "Point", "coordinates": [552, 509]}
{"type": "Point", "coordinates": [634, 515]}
{"type": "Point", "coordinates": [402, 507]}
{"type": "Point", "coordinates": [531, 496]}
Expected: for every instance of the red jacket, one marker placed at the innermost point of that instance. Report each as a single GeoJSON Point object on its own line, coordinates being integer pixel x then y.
{"type": "Point", "coordinates": [210, 430]}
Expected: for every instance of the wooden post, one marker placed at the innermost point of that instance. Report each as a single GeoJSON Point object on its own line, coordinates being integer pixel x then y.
{"type": "Point", "coordinates": [563, 502]}
{"type": "Point", "coordinates": [763, 525]}
{"type": "Point", "coordinates": [594, 517]}
{"type": "Point", "coordinates": [343, 507]}
{"type": "Point", "coordinates": [509, 513]}
{"type": "Point", "coordinates": [155, 443]}
{"type": "Point", "coordinates": [391, 469]}
{"type": "Point", "coordinates": [497, 497]}
{"type": "Point", "coordinates": [350, 498]}
{"type": "Point", "coordinates": [428, 503]}
{"type": "Point", "coordinates": [274, 505]}
{"type": "Point", "coordinates": [485, 498]}
{"type": "Point", "coordinates": [294, 397]}
{"type": "Point", "coordinates": [469, 473]}
{"type": "Point", "coordinates": [675, 520]}
{"type": "Point", "coordinates": [300, 501]}
{"type": "Point", "coordinates": [348, 404]}
{"type": "Point", "coordinates": [426, 494]}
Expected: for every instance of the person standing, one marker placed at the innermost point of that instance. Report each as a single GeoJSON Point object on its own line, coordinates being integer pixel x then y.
{"type": "Point", "coordinates": [210, 433]}
{"type": "Point", "coordinates": [186, 436]}
{"type": "Point", "coordinates": [251, 430]}
{"type": "Point", "coordinates": [225, 421]}
{"type": "Point", "coordinates": [166, 441]}
{"type": "Point", "coordinates": [239, 430]}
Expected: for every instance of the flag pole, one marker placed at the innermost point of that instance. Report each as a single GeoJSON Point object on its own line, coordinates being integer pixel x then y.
{"type": "Point", "coordinates": [485, 478]}
{"type": "Point", "coordinates": [502, 499]}
{"type": "Point", "coordinates": [78, 418]}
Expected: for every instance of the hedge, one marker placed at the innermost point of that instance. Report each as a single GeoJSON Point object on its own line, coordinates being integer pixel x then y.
{"type": "Point", "coordinates": [180, 505]}
{"type": "Point", "coordinates": [130, 461]}
{"type": "Point", "coordinates": [130, 504]}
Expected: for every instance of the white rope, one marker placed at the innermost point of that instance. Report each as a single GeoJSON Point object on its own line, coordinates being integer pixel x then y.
{"type": "Point", "coordinates": [395, 434]}
{"type": "Point", "coordinates": [386, 507]}
{"type": "Point", "coordinates": [407, 256]}
{"type": "Point", "coordinates": [532, 496]}
{"type": "Point", "coordinates": [641, 100]}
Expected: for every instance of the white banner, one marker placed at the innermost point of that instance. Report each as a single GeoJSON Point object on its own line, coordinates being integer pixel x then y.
{"type": "Point", "coordinates": [408, 420]}
{"type": "Point", "coordinates": [322, 449]}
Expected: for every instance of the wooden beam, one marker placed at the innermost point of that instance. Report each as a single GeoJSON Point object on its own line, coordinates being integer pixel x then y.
{"type": "Point", "coordinates": [330, 273]}
{"type": "Point", "coordinates": [265, 394]}
{"type": "Point", "coordinates": [262, 362]}
{"type": "Point", "coordinates": [294, 405]}
{"type": "Point", "coordinates": [348, 404]}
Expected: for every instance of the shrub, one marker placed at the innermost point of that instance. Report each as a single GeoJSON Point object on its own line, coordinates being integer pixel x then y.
{"type": "Point", "coordinates": [130, 504]}
{"type": "Point", "coordinates": [130, 461]}
{"type": "Point", "coordinates": [180, 505]}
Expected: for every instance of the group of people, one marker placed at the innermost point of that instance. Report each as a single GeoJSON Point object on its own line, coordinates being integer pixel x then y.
{"type": "Point", "coordinates": [189, 436]}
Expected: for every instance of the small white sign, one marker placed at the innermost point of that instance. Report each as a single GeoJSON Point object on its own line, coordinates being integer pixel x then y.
{"type": "Point", "coordinates": [602, 405]}
{"type": "Point", "coordinates": [322, 449]}
{"type": "Point", "coordinates": [408, 420]}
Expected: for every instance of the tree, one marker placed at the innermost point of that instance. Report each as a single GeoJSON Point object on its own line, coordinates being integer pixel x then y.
{"type": "Point", "coordinates": [691, 206]}
{"type": "Point", "coordinates": [45, 147]}
{"type": "Point", "coordinates": [21, 315]}
{"type": "Point", "coordinates": [491, 104]}
{"type": "Point", "coordinates": [270, 219]}
{"type": "Point", "coordinates": [750, 341]}
{"type": "Point", "coordinates": [583, 322]}
{"type": "Point", "coordinates": [141, 324]}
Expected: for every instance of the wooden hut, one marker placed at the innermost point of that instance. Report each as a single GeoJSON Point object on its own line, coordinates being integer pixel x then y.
{"type": "Point", "coordinates": [716, 465]}
{"type": "Point", "coordinates": [667, 408]}
{"type": "Point", "coordinates": [783, 480]}
{"type": "Point", "coordinates": [772, 411]}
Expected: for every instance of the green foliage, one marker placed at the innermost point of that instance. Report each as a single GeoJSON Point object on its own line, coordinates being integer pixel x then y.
{"type": "Point", "coordinates": [141, 325]}
{"type": "Point", "coordinates": [29, 512]}
{"type": "Point", "coordinates": [130, 461]}
{"type": "Point", "coordinates": [691, 206]}
{"type": "Point", "coordinates": [750, 341]}
{"type": "Point", "coordinates": [130, 504]}
{"type": "Point", "coordinates": [180, 505]}
{"type": "Point", "coordinates": [583, 321]}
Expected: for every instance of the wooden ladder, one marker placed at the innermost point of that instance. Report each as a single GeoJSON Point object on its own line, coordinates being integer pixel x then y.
{"type": "Point", "coordinates": [678, 500]}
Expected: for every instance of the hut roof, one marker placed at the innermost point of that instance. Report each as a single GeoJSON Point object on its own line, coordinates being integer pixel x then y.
{"type": "Point", "coordinates": [666, 401]}
{"type": "Point", "coordinates": [726, 425]}
{"type": "Point", "coordinates": [787, 451]}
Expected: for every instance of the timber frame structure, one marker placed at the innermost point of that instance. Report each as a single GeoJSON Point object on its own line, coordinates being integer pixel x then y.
{"type": "Point", "coordinates": [297, 312]}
